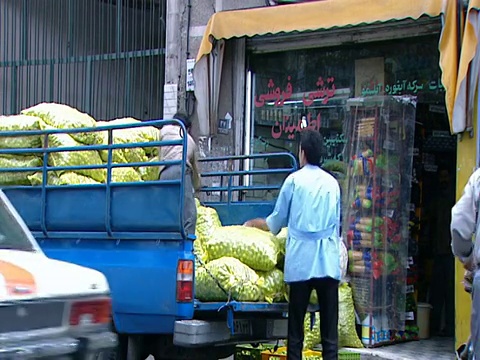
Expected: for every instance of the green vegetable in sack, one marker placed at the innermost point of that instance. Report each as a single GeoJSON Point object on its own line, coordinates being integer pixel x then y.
{"type": "Point", "coordinates": [123, 136]}
{"type": "Point", "coordinates": [17, 161]}
{"type": "Point", "coordinates": [138, 134]}
{"type": "Point", "coordinates": [312, 335]}
{"type": "Point", "coordinates": [254, 247]}
{"type": "Point", "coordinates": [74, 158]}
{"type": "Point", "coordinates": [201, 255]}
{"type": "Point", "coordinates": [272, 285]}
{"type": "Point", "coordinates": [67, 178]}
{"type": "Point", "coordinates": [20, 123]}
{"type": "Point", "coordinates": [207, 222]}
{"type": "Point", "coordinates": [236, 278]}
{"type": "Point", "coordinates": [347, 333]}
{"type": "Point", "coordinates": [335, 166]}
{"type": "Point", "coordinates": [281, 242]}
{"type": "Point", "coordinates": [150, 173]}
{"type": "Point", "coordinates": [62, 116]}
{"type": "Point", "coordinates": [125, 174]}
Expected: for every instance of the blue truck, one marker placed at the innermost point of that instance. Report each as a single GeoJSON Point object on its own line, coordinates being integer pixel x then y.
{"type": "Point", "coordinates": [132, 232]}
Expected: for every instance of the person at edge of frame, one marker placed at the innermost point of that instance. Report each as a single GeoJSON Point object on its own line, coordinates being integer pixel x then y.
{"type": "Point", "coordinates": [465, 226]}
{"type": "Point", "coordinates": [192, 184]}
{"type": "Point", "coordinates": [309, 204]}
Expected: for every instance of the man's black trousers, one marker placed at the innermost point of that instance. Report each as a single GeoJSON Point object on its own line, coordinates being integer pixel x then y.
{"type": "Point", "coordinates": [327, 293]}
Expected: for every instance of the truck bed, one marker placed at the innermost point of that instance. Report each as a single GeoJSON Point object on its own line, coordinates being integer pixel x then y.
{"type": "Point", "coordinates": [133, 233]}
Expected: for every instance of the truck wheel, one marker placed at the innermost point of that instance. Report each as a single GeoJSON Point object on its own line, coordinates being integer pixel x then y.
{"type": "Point", "coordinates": [129, 348]}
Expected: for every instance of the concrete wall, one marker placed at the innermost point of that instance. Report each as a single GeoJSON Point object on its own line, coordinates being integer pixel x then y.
{"type": "Point", "coordinates": [231, 100]}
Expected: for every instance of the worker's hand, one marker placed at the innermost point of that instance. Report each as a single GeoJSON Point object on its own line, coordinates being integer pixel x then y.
{"type": "Point", "coordinates": [468, 281]}
{"type": "Point", "coordinates": [250, 223]}
{"type": "Point", "coordinates": [470, 264]}
{"type": "Point", "coordinates": [257, 223]}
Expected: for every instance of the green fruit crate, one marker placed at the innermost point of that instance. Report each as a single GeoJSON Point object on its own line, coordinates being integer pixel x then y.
{"type": "Point", "coordinates": [347, 355]}
{"type": "Point", "coordinates": [248, 352]}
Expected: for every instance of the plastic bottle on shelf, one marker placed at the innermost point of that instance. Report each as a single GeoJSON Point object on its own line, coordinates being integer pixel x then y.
{"type": "Point", "coordinates": [366, 330]}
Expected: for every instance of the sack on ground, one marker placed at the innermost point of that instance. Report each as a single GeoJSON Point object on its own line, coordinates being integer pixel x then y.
{"type": "Point", "coordinates": [312, 334]}
{"type": "Point", "coordinates": [62, 116]}
{"type": "Point", "coordinates": [17, 161]}
{"type": "Point", "coordinates": [236, 278]}
{"type": "Point", "coordinates": [255, 248]}
{"type": "Point", "coordinates": [20, 123]}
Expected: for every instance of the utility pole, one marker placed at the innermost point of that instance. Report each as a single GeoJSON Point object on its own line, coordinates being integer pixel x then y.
{"type": "Point", "coordinates": [172, 59]}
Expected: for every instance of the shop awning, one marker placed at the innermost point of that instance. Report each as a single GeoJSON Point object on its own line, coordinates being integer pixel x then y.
{"type": "Point", "coordinates": [312, 16]}
{"type": "Point", "coordinates": [468, 72]}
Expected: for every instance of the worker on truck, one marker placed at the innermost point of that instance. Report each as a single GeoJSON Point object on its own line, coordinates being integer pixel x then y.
{"type": "Point", "coordinates": [174, 172]}
{"type": "Point", "coordinates": [309, 204]}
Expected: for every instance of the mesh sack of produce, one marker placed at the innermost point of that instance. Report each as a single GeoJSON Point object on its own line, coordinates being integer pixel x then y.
{"type": "Point", "coordinates": [123, 136]}
{"type": "Point", "coordinates": [17, 161]}
{"type": "Point", "coordinates": [20, 123]}
{"type": "Point", "coordinates": [207, 222]}
{"type": "Point", "coordinates": [312, 334]}
{"type": "Point", "coordinates": [281, 242]}
{"type": "Point", "coordinates": [62, 116]}
{"type": "Point", "coordinates": [234, 277]}
{"type": "Point", "coordinates": [201, 257]}
{"type": "Point", "coordinates": [139, 134]}
{"type": "Point", "coordinates": [347, 333]}
{"type": "Point", "coordinates": [125, 174]}
{"type": "Point", "coordinates": [272, 285]}
{"type": "Point", "coordinates": [74, 158]}
{"type": "Point", "coordinates": [150, 173]}
{"type": "Point", "coordinates": [67, 178]}
{"type": "Point", "coordinates": [254, 247]}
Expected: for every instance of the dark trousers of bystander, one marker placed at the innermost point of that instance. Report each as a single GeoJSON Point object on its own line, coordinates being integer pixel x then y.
{"type": "Point", "coordinates": [327, 292]}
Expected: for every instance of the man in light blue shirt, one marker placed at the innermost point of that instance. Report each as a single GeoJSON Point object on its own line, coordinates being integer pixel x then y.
{"type": "Point", "coordinates": [309, 204]}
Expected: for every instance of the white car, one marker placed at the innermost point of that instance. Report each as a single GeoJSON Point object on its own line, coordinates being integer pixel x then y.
{"type": "Point", "coordinates": [48, 309]}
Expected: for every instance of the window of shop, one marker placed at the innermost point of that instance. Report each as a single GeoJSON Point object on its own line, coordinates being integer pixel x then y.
{"type": "Point", "coordinates": [293, 90]}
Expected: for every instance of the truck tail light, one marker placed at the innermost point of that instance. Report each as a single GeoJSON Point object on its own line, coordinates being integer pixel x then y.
{"type": "Point", "coordinates": [96, 311]}
{"type": "Point", "coordinates": [185, 281]}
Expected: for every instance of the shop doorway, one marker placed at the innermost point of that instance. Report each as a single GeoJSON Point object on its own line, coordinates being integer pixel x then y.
{"type": "Point", "coordinates": [433, 196]}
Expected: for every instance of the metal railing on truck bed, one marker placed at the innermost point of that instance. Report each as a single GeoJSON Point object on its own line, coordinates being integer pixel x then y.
{"type": "Point", "coordinates": [232, 202]}
{"type": "Point", "coordinates": [119, 210]}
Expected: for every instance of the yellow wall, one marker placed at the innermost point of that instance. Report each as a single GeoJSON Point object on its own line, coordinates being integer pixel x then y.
{"type": "Point", "coordinates": [466, 154]}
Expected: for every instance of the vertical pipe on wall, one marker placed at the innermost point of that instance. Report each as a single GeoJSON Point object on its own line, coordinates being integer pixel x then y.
{"type": "Point", "coordinates": [248, 125]}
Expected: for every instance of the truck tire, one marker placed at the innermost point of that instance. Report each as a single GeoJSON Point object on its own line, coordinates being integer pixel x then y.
{"type": "Point", "coordinates": [129, 348]}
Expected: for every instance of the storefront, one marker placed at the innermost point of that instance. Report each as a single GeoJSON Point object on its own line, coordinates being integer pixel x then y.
{"type": "Point", "coordinates": [317, 73]}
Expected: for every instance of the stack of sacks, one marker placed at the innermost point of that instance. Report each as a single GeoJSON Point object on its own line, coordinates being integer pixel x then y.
{"type": "Point", "coordinates": [19, 123]}
{"type": "Point", "coordinates": [59, 116]}
{"type": "Point", "coordinates": [241, 260]}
